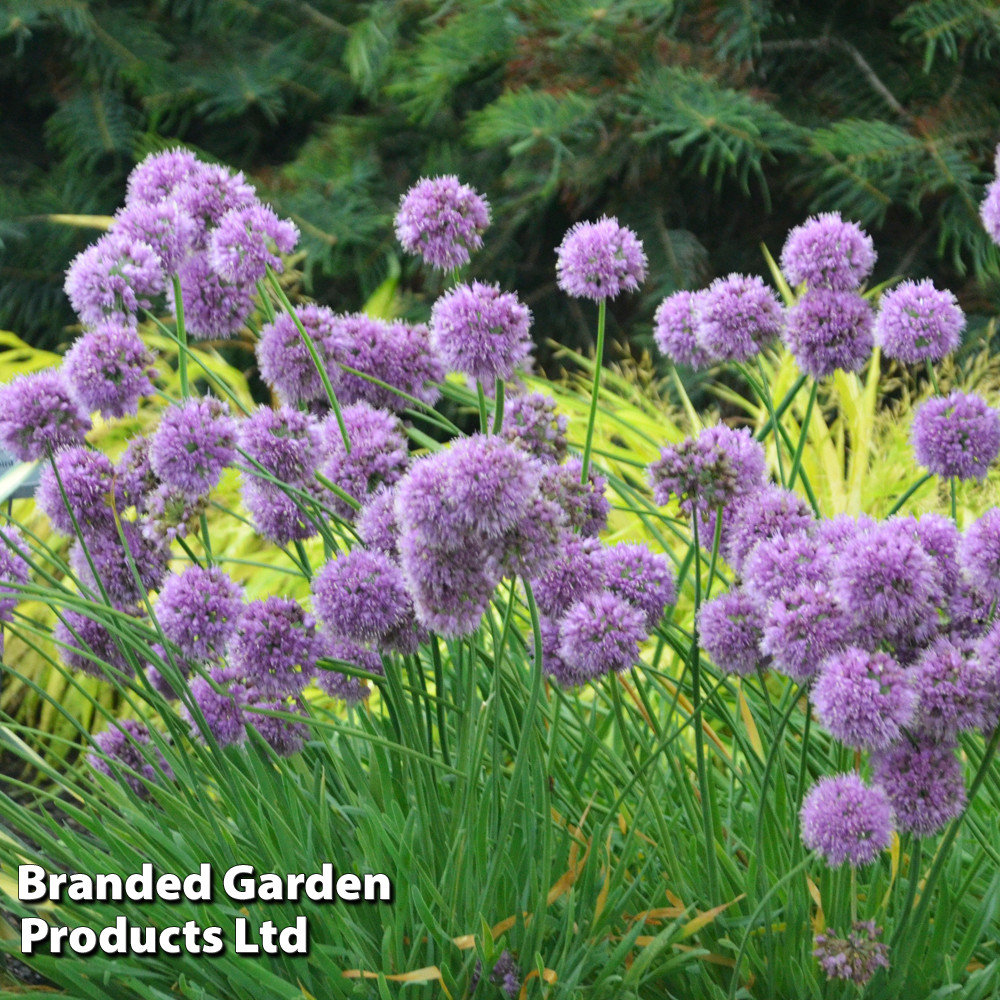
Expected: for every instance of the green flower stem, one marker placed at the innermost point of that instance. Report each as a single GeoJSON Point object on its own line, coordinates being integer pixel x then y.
{"type": "Point", "coordinates": [182, 361]}
{"type": "Point", "coordinates": [769, 403]}
{"type": "Point", "coordinates": [498, 408]}
{"type": "Point", "coordinates": [602, 309]}
{"type": "Point", "coordinates": [782, 406]}
{"type": "Point", "coordinates": [484, 416]}
{"type": "Point", "coordinates": [716, 542]}
{"type": "Point", "coordinates": [954, 501]}
{"type": "Point", "coordinates": [909, 493]}
{"type": "Point", "coordinates": [803, 434]}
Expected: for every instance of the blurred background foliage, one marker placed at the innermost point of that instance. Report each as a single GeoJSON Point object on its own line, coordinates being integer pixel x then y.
{"type": "Point", "coordinates": [710, 127]}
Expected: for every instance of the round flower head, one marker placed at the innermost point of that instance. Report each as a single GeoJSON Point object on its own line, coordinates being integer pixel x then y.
{"type": "Point", "coordinates": [376, 522]}
{"type": "Point", "coordinates": [126, 747]}
{"type": "Point", "coordinates": [827, 330]}
{"type": "Point", "coordinates": [274, 639]}
{"type": "Point", "coordinates": [74, 489]}
{"type": "Point", "coordinates": [924, 784]}
{"type": "Point", "coordinates": [442, 221]}
{"type": "Point", "coordinates": [845, 820]}
{"type": "Point", "coordinates": [114, 560]}
{"type": "Point", "coordinates": [577, 570]}
{"type": "Point", "coordinates": [530, 546]}
{"type": "Point", "coordinates": [711, 470]}
{"type": "Point", "coordinates": [283, 736]}
{"type": "Point", "coordinates": [979, 554]}
{"type": "Point", "coordinates": [918, 322]}
{"type": "Point", "coordinates": [888, 584]}
{"type": "Point", "coordinates": [159, 175]}
{"type": "Point", "coordinates": [779, 564]}
{"type": "Point", "coordinates": [480, 331]}
{"type": "Point", "coordinates": [803, 625]}
{"type": "Point", "coordinates": [397, 354]}
{"type": "Point", "coordinates": [284, 442]}
{"type": "Point", "coordinates": [532, 422]}
{"type": "Point", "coordinates": [39, 414]}
{"type": "Point", "coordinates": [361, 595]}
{"type": "Point", "coordinates": [584, 504]}
{"type": "Point", "coordinates": [164, 226]}
{"type": "Point", "coordinates": [220, 702]}
{"type": "Point", "coordinates": [108, 369]}
{"type": "Point", "coordinates": [953, 689]}
{"type": "Point", "coordinates": [958, 435]}
{"type": "Point", "coordinates": [730, 633]}
{"type": "Point", "coordinates": [864, 699]}
{"type": "Point", "coordinates": [940, 539]}
{"type": "Point", "coordinates": [193, 444]}
{"type": "Point", "coordinates": [207, 193]}
{"type": "Point", "coordinates": [766, 512]}
{"type": "Point", "coordinates": [247, 241]}
{"type": "Point", "coordinates": [675, 329]}
{"type": "Point", "coordinates": [643, 578]}
{"type": "Point", "coordinates": [277, 516]}
{"type": "Point", "coordinates": [171, 513]}
{"type": "Point", "coordinates": [85, 644]}
{"type": "Point", "coordinates": [856, 957]}
{"type": "Point", "coordinates": [113, 279]}
{"type": "Point", "coordinates": [340, 685]}
{"type": "Point", "coordinates": [600, 634]}
{"type": "Point", "coordinates": [134, 477]}
{"type": "Point", "coordinates": [599, 260]}
{"type": "Point", "coordinates": [214, 309]}
{"type": "Point", "coordinates": [378, 455]}
{"type": "Point", "coordinates": [838, 530]}
{"type": "Point", "coordinates": [198, 610]}
{"type": "Point", "coordinates": [284, 359]}
{"type": "Point", "coordinates": [827, 252]}
{"type": "Point", "coordinates": [738, 316]}
{"type": "Point", "coordinates": [989, 211]}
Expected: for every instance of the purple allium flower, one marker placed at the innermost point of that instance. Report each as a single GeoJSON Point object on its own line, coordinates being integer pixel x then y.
{"type": "Point", "coordinates": [532, 421]}
{"type": "Point", "coordinates": [38, 413]}
{"type": "Point", "coordinates": [198, 610]}
{"type": "Point", "coordinates": [214, 309]}
{"type": "Point", "coordinates": [529, 548]}
{"type": "Point", "coordinates": [128, 746]}
{"type": "Point", "coordinates": [600, 634]}
{"type": "Point", "coordinates": [827, 252]}
{"type": "Point", "coordinates": [840, 529]}
{"type": "Point", "coordinates": [940, 539]}
{"type": "Point", "coordinates": [577, 570]}
{"type": "Point", "coordinates": [507, 975]}
{"type": "Point", "coordinates": [274, 639]}
{"type": "Point", "coordinates": [163, 225]}
{"type": "Point", "coordinates": [450, 588]}
{"type": "Point", "coordinates": [781, 563]}
{"type": "Point", "coordinates": [283, 736]}
{"type": "Point", "coordinates": [208, 193]}
{"type": "Point", "coordinates": [856, 957]}
{"type": "Point", "coordinates": [737, 317]}
{"type": "Point", "coordinates": [599, 260]}
{"type": "Point", "coordinates": [480, 331]}
{"type": "Point", "coordinates": [345, 686]}
{"type": "Point", "coordinates": [92, 649]}
{"type": "Point", "coordinates": [398, 354]}
{"type": "Point", "coordinates": [989, 211]}
{"type": "Point", "coordinates": [193, 444]}
{"type": "Point", "coordinates": [247, 240]}
{"type": "Point", "coordinates": [827, 330]}
{"type": "Point", "coordinates": [979, 554]}
{"type": "Point", "coordinates": [376, 522]}
{"type": "Point", "coordinates": [284, 360]}
{"type": "Point", "coordinates": [918, 322]}
{"type": "Point", "coordinates": [804, 624]}
{"type": "Point", "coordinates": [924, 784]}
{"type": "Point", "coordinates": [220, 700]}
{"type": "Point", "coordinates": [134, 477]}
{"type": "Point", "coordinates": [285, 442]}
{"type": "Point", "coordinates": [888, 584]}
{"type": "Point", "coordinates": [276, 516]}
{"type": "Point", "coordinates": [730, 632]}
{"type": "Point", "coordinates": [643, 578]}
{"type": "Point", "coordinates": [13, 570]}
{"type": "Point", "coordinates": [953, 689]}
{"type": "Point", "coordinates": [108, 369]}
{"type": "Point", "coordinates": [845, 820]}
{"type": "Point", "coordinates": [584, 504]}
{"type": "Point", "coordinates": [159, 175]}
{"type": "Point", "coordinates": [442, 221]}
{"type": "Point", "coordinates": [361, 595]}
{"type": "Point", "coordinates": [113, 279]}
{"type": "Point", "coordinates": [171, 513]}
{"type": "Point", "coordinates": [76, 486]}
{"type": "Point", "coordinates": [111, 559]}
{"type": "Point", "coordinates": [378, 455]}
{"type": "Point", "coordinates": [711, 470]}
{"type": "Point", "coordinates": [864, 699]}
{"type": "Point", "coordinates": [958, 435]}
{"type": "Point", "coordinates": [769, 511]}
{"type": "Point", "coordinates": [675, 329]}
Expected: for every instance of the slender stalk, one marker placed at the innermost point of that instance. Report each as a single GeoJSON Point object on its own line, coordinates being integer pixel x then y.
{"type": "Point", "coordinates": [498, 409]}
{"type": "Point", "coordinates": [484, 415]}
{"type": "Point", "coordinates": [909, 493]}
{"type": "Point", "coordinates": [598, 361]}
{"type": "Point", "coordinates": [803, 434]}
{"type": "Point", "coordinates": [954, 501]}
{"type": "Point", "coordinates": [182, 361]}
{"type": "Point", "coordinates": [769, 403]}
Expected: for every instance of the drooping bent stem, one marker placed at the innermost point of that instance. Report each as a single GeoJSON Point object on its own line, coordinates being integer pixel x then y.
{"type": "Point", "coordinates": [598, 361]}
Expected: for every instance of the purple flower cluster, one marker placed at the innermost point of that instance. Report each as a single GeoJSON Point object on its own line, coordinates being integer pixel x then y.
{"type": "Point", "coordinates": [828, 329]}
{"type": "Point", "coordinates": [442, 220]}
{"type": "Point", "coordinates": [956, 435]}
{"type": "Point", "coordinates": [193, 444]}
{"type": "Point", "coordinates": [827, 252]}
{"type": "Point", "coordinates": [40, 414]}
{"type": "Point", "coordinates": [127, 747]}
{"type": "Point", "coordinates": [108, 369]}
{"type": "Point", "coordinates": [737, 317]}
{"type": "Point", "coordinates": [600, 260]}
{"type": "Point", "coordinates": [531, 420]}
{"type": "Point", "coordinates": [918, 322]}
{"type": "Point", "coordinates": [989, 209]}
{"type": "Point", "coordinates": [675, 330]}
{"type": "Point", "coordinates": [845, 820]}
{"type": "Point", "coordinates": [855, 958]}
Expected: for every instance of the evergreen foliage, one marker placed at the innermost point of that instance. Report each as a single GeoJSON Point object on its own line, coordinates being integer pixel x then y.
{"type": "Point", "coordinates": [708, 127]}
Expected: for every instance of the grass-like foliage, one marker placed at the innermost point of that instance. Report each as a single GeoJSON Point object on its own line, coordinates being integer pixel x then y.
{"type": "Point", "coordinates": [624, 701]}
